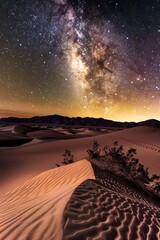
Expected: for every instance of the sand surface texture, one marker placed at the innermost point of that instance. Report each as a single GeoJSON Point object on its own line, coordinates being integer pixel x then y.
{"type": "Point", "coordinates": [110, 208]}
{"type": "Point", "coordinates": [44, 151]}
{"type": "Point", "coordinates": [34, 210]}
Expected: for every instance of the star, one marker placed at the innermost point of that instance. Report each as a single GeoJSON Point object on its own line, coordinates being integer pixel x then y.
{"type": "Point", "coordinates": [65, 55]}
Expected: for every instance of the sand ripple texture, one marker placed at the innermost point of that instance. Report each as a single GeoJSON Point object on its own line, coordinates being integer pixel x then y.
{"type": "Point", "coordinates": [34, 211]}
{"type": "Point", "coordinates": [99, 211]}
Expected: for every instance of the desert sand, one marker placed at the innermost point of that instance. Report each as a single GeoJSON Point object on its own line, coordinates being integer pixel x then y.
{"type": "Point", "coordinates": [110, 211]}
{"type": "Point", "coordinates": [34, 210]}
{"type": "Point", "coordinates": [46, 147]}
{"type": "Point", "coordinates": [79, 201]}
{"type": "Point", "coordinates": [74, 202]}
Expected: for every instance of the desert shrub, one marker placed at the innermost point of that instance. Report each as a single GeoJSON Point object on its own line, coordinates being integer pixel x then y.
{"type": "Point", "coordinates": [68, 157]}
{"type": "Point", "coordinates": [120, 162]}
{"type": "Point", "coordinates": [128, 162]}
{"type": "Point", "coordinates": [115, 154]}
{"type": "Point", "coordinates": [156, 188]}
{"type": "Point", "coordinates": [155, 183]}
{"type": "Point", "coordinates": [141, 174]}
{"type": "Point", "coordinates": [131, 161]}
{"type": "Point", "coordinates": [154, 177]}
{"type": "Point", "coordinates": [95, 151]}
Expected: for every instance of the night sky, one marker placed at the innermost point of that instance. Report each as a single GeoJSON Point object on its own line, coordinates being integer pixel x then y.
{"type": "Point", "coordinates": [98, 58]}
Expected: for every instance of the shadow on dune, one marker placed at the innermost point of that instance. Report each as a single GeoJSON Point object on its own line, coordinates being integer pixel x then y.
{"type": "Point", "coordinates": [110, 208]}
{"type": "Point", "coordinates": [14, 142]}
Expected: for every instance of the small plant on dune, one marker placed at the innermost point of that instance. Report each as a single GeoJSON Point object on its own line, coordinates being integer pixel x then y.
{"type": "Point", "coordinates": [155, 183]}
{"type": "Point", "coordinates": [127, 162]}
{"type": "Point", "coordinates": [68, 157]}
{"type": "Point", "coordinates": [95, 151]}
{"type": "Point", "coordinates": [141, 174]}
{"type": "Point", "coordinates": [154, 177]}
{"type": "Point", "coordinates": [120, 162]}
{"type": "Point", "coordinates": [131, 160]}
{"type": "Point", "coordinates": [115, 154]}
{"type": "Point", "coordinates": [156, 188]}
{"type": "Point", "coordinates": [136, 170]}
{"type": "Point", "coordinates": [130, 156]}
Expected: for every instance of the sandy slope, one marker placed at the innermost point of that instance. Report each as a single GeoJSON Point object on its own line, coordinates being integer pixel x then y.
{"type": "Point", "coordinates": [34, 211]}
{"type": "Point", "coordinates": [19, 164]}
{"type": "Point", "coordinates": [7, 128]}
{"type": "Point", "coordinates": [109, 208]}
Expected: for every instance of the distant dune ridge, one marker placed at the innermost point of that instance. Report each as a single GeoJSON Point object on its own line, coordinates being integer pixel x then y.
{"type": "Point", "coordinates": [34, 210]}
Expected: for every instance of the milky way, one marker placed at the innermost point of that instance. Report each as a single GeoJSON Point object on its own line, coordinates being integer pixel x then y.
{"type": "Point", "coordinates": [96, 56]}
{"type": "Point", "coordinates": [80, 58]}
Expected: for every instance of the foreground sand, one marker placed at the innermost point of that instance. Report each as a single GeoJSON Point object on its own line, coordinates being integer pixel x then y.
{"type": "Point", "coordinates": [96, 212]}
{"type": "Point", "coordinates": [21, 163]}
{"type": "Point", "coordinates": [34, 210]}
{"type": "Point", "coordinates": [74, 202]}
{"type": "Point", "coordinates": [110, 208]}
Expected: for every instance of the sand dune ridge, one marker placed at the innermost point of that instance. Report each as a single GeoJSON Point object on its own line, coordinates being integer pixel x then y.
{"type": "Point", "coordinates": [34, 210]}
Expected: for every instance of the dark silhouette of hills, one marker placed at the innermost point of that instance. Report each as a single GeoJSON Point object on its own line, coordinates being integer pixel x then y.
{"type": "Point", "coordinates": [150, 123]}
{"type": "Point", "coordinates": [87, 121]}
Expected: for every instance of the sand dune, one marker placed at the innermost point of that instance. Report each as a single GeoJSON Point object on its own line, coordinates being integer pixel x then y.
{"type": "Point", "coordinates": [63, 133]}
{"type": "Point", "coordinates": [7, 128]}
{"type": "Point", "coordinates": [7, 139]}
{"type": "Point", "coordinates": [108, 208]}
{"type": "Point", "coordinates": [34, 211]}
{"type": "Point", "coordinates": [73, 202]}
{"type": "Point", "coordinates": [105, 208]}
{"type": "Point", "coordinates": [19, 164]}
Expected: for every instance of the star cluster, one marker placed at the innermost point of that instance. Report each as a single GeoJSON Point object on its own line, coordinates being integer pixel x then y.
{"type": "Point", "coordinates": [80, 58]}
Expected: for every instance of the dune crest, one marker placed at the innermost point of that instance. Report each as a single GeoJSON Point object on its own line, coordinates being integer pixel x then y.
{"type": "Point", "coordinates": [35, 209]}
{"type": "Point", "coordinates": [110, 208]}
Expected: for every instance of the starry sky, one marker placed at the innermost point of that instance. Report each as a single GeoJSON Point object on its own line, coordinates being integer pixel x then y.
{"type": "Point", "coordinates": [97, 58]}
